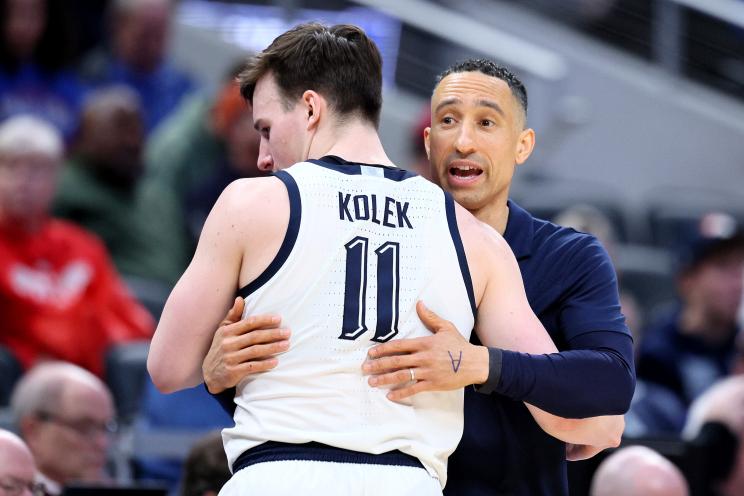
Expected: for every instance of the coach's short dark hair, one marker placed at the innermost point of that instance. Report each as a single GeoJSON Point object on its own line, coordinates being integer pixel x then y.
{"type": "Point", "coordinates": [340, 62]}
{"type": "Point", "coordinates": [490, 68]}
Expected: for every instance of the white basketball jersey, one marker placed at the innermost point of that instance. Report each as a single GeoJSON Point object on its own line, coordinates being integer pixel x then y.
{"type": "Point", "coordinates": [364, 244]}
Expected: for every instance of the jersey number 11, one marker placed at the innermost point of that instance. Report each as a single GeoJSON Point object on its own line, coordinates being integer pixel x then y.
{"type": "Point", "coordinates": [355, 294]}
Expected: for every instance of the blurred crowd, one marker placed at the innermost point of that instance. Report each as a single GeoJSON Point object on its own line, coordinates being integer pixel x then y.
{"type": "Point", "coordinates": [110, 160]}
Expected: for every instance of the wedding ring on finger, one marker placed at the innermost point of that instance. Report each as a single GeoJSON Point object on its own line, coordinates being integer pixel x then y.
{"type": "Point", "coordinates": [413, 375]}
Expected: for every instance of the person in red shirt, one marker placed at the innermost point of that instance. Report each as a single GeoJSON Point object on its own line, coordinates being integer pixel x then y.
{"type": "Point", "coordinates": [60, 296]}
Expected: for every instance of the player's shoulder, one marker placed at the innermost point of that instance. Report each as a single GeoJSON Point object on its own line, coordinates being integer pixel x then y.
{"type": "Point", "coordinates": [247, 192]}
{"type": "Point", "coordinates": [253, 184]}
{"type": "Point", "coordinates": [480, 240]}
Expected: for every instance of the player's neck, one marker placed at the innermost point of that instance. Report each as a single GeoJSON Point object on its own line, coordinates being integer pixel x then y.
{"type": "Point", "coordinates": [355, 141]}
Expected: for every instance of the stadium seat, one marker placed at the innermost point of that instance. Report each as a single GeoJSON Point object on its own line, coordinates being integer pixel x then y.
{"type": "Point", "coordinates": [673, 212]}
{"type": "Point", "coordinates": [10, 372]}
{"type": "Point", "coordinates": [126, 366]}
{"type": "Point", "coordinates": [151, 293]}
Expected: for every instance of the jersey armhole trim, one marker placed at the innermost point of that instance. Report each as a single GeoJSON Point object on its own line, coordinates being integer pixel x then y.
{"type": "Point", "coordinates": [459, 248]}
{"type": "Point", "coordinates": [293, 228]}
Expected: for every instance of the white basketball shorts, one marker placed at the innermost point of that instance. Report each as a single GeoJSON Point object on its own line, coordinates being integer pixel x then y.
{"type": "Point", "coordinates": [317, 478]}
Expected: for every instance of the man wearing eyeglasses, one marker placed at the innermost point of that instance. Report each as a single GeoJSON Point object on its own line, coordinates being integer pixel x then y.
{"type": "Point", "coordinates": [65, 415]}
{"type": "Point", "coordinates": [17, 467]}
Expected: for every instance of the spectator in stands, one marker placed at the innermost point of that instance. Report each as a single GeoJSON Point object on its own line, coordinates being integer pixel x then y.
{"type": "Point", "coordinates": [204, 144]}
{"type": "Point", "coordinates": [654, 411]}
{"type": "Point", "coordinates": [99, 186]}
{"type": "Point", "coordinates": [65, 414]}
{"type": "Point", "coordinates": [716, 425]}
{"type": "Point", "coordinates": [35, 51]}
{"type": "Point", "coordinates": [233, 119]}
{"type": "Point", "coordinates": [690, 348]}
{"type": "Point", "coordinates": [206, 469]}
{"type": "Point", "coordinates": [638, 471]}
{"type": "Point", "coordinates": [60, 296]}
{"type": "Point", "coordinates": [17, 467]}
{"type": "Point", "coordinates": [137, 57]}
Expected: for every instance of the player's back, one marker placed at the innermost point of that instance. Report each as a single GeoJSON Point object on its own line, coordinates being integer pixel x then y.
{"type": "Point", "coordinates": [363, 245]}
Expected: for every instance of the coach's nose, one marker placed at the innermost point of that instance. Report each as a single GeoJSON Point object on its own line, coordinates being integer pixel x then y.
{"type": "Point", "coordinates": [465, 144]}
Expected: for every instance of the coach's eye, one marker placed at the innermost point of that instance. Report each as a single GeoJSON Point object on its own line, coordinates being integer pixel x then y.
{"type": "Point", "coordinates": [265, 132]}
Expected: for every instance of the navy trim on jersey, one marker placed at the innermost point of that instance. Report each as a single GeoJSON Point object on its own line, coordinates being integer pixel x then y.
{"type": "Point", "coordinates": [273, 451]}
{"type": "Point", "coordinates": [455, 232]}
{"type": "Point", "coordinates": [295, 214]}
{"type": "Point", "coordinates": [355, 168]}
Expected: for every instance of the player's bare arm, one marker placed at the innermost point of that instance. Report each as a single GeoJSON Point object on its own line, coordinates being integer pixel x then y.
{"type": "Point", "coordinates": [235, 231]}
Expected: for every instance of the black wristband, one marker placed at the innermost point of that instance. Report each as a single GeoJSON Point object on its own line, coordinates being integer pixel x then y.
{"type": "Point", "coordinates": [494, 372]}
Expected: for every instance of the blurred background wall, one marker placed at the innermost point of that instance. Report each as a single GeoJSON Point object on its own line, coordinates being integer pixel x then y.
{"type": "Point", "coordinates": [638, 97]}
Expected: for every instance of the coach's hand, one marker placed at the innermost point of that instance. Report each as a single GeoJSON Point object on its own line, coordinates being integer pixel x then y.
{"type": "Point", "coordinates": [242, 347]}
{"type": "Point", "coordinates": [440, 362]}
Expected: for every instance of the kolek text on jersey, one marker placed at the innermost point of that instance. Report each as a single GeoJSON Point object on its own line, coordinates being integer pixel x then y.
{"type": "Point", "coordinates": [388, 212]}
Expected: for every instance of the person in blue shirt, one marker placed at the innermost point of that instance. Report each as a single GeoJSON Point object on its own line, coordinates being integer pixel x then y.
{"type": "Point", "coordinates": [35, 52]}
{"type": "Point", "coordinates": [694, 344]}
{"type": "Point", "coordinates": [477, 138]}
{"type": "Point", "coordinates": [137, 58]}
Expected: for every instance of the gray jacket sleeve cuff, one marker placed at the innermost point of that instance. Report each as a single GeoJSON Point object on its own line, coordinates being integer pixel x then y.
{"type": "Point", "coordinates": [494, 372]}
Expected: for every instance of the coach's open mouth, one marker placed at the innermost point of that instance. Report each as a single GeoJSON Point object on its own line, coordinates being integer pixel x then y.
{"type": "Point", "coordinates": [465, 170]}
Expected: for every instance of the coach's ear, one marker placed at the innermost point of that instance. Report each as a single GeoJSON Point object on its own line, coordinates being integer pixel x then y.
{"type": "Point", "coordinates": [315, 107]}
{"type": "Point", "coordinates": [525, 145]}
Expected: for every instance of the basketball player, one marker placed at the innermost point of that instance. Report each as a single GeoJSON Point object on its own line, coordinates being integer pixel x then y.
{"type": "Point", "coordinates": [343, 244]}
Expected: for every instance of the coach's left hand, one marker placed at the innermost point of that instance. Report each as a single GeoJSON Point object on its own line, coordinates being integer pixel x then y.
{"type": "Point", "coordinates": [440, 362]}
